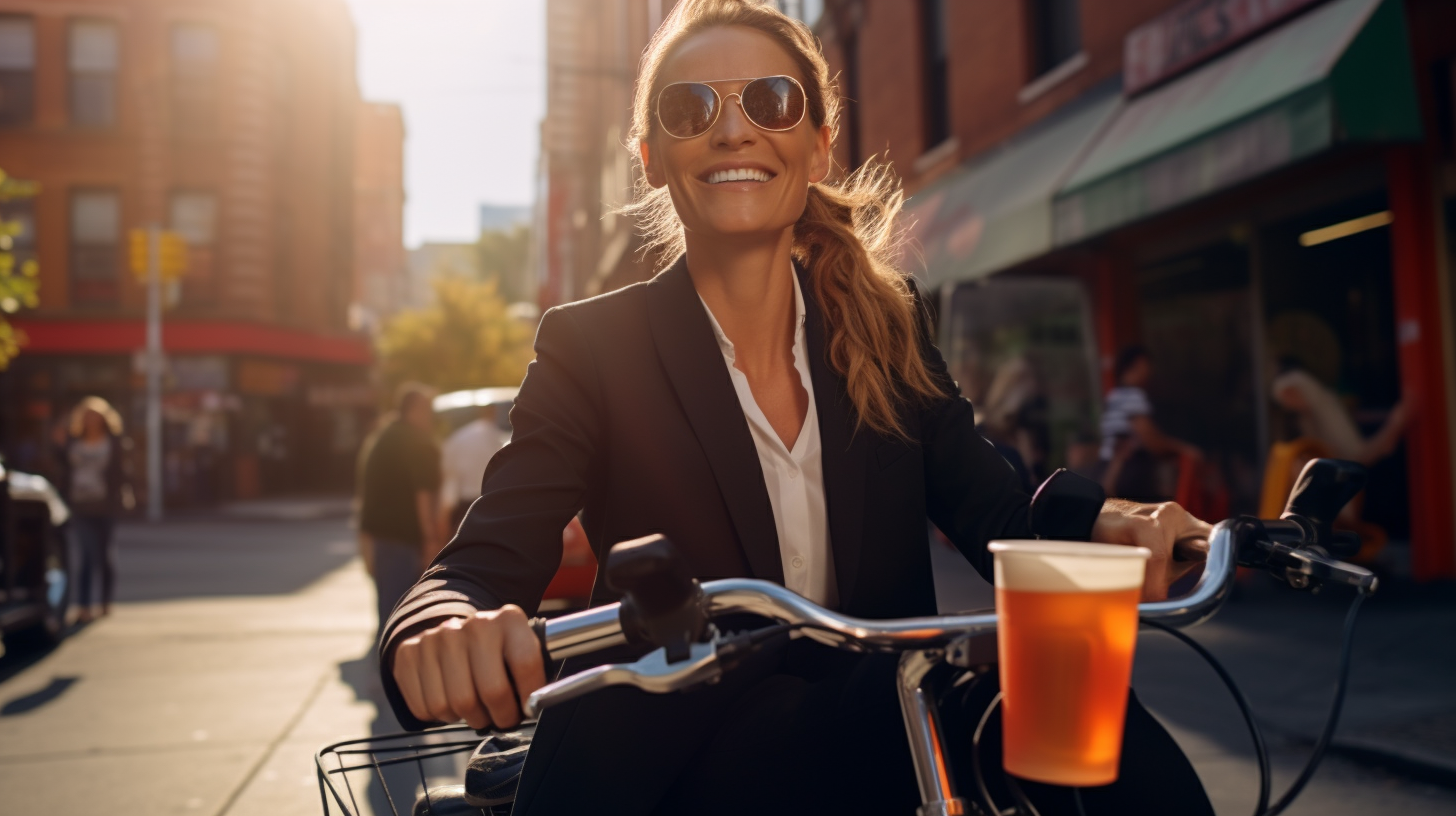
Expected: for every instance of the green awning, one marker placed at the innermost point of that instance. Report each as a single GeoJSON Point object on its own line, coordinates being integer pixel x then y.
{"type": "Point", "coordinates": [997, 210]}
{"type": "Point", "coordinates": [1340, 73]}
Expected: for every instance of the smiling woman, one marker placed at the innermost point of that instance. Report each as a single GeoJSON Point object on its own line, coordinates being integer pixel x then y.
{"type": "Point", "coordinates": [773, 403]}
{"type": "Point", "coordinates": [843, 232]}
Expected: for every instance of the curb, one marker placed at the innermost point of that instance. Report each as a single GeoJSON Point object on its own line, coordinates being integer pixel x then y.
{"type": "Point", "coordinates": [1414, 762]}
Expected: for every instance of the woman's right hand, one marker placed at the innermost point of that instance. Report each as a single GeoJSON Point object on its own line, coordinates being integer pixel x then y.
{"type": "Point", "coordinates": [476, 669]}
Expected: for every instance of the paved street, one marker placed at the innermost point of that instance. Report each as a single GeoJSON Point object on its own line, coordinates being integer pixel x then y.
{"type": "Point", "coordinates": [235, 652]}
{"type": "Point", "coordinates": [239, 648]}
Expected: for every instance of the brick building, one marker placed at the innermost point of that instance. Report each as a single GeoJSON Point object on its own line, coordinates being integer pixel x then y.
{"type": "Point", "coordinates": [381, 268]}
{"type": "Point", "coordinates": [233, 123]}
{"type": "Point", "coordinates": [1227, 182]}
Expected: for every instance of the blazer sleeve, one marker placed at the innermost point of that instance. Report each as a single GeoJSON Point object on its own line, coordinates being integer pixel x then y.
{"type": "Point", "coordinates": [508, 547]}
{"type": "Point", "coordinates": [972, 494]}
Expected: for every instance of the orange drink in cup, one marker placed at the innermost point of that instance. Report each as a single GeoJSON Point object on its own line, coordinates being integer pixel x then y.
{"type": "Point", "coordinates": [1067, 628]}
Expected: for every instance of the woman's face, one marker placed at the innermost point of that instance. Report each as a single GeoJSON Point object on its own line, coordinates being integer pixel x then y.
{"type": "Point", "coordinates": [792, 159]}
{"type": "Point", "coordinates": [93, 424]}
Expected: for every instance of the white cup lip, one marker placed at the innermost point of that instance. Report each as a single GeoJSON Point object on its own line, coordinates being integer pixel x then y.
{"type": "Point", "coordinates": [1072, 548]}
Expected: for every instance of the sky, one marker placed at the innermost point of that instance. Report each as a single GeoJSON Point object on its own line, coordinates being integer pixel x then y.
{"type": "Point", "coordinates": [471, 78]}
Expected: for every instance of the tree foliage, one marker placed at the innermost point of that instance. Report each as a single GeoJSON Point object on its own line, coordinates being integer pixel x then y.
{"type": "Point", "coordinates": [465, 339]}
{"type": "Point", "coordinates": [504, 256]}
{"type": "Point", "coordinates": [19, 286]}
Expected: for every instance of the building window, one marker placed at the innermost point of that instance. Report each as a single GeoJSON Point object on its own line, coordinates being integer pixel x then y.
{"type": "Point", "coordinates": [193, 215]}
{"type": "Point", "coordinates": [194, 78]}
{"type": "Point", "coordinates": [93, 60]}
{"type": "Point", "coordinates": [936, 87]}
{"type": "Point", "coordinates": [17, 70]}
{"type": "Point", "coordinates": [1055, 27]}
{"type": "Point", "coordinates": [95, 247]}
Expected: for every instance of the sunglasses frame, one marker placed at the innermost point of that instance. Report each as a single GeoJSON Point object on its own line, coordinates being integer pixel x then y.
{"type": "Point", "coordinates": [722, 102]}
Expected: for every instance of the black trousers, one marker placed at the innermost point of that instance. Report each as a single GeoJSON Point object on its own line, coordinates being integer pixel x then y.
{"type": "Point", "coordinates": [802, 728]}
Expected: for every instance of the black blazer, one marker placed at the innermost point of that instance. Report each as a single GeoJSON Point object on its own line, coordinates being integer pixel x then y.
{"type": "Point", "coordinates": [629, 416]}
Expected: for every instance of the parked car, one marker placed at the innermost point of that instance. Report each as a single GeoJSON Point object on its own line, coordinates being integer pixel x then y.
{"type": "Point", "coordinates": [572, 585]}
{"type": "Point", "coordinates": [34, 578]}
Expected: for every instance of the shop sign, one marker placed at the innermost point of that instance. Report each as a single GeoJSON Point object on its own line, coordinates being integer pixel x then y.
{"type": "Point", "coordinates": [359, 395]}
{"type": "Point", "coordinates": [1192, 32]}
{"type": "Point", "coordinates": [263, 379]}
{"type": "Point", "coordinates": [199, 373]}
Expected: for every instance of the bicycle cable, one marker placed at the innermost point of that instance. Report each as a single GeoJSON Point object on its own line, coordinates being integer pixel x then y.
{"type": "Point", "coordinates": [1332, 721]}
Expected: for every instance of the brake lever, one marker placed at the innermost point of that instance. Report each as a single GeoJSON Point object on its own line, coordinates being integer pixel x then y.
{"type": "Point", "coordinates": [1308, 567]}
{"type": "Point", "coordinates": [652, 673]}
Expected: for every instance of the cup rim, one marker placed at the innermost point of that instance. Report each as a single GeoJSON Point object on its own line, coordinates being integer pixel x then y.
{"type": "Point", "coordinates": [1072, 548]}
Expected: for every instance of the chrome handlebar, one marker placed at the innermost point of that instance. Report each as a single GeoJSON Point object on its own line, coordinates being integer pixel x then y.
{"type": "Point", "coordinates": [600, 628]}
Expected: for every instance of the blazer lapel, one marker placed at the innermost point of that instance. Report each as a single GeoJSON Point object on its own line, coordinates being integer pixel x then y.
{"type": "Point", "coordinates": [844, 452]}
{"type": "Point", "coordinates": [695, 366]}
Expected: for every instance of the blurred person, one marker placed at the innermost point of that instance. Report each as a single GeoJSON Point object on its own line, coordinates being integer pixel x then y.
{"type": "Point", "coordinates": [399, 487]}
{"type": "Point", "coordinates": [773, 403]}
{"type": "Point", "coordinates": [464, 457]}
{"type": "Point", "coordinates": [93, 482]}
{"type": "Point", "coordinates": [1014, 419]}
{"type": "Point", "coordinates": [1132, 443]}
{"type": "Point", "coordinates": [1319, 414]}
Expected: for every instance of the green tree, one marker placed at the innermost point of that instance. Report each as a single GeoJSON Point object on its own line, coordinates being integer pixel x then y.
{"type": "Point", "coordinates": [464, 340]}
{"type": "Point", "coordinates": [19, 279]}
{"type": "Point", "coordinates": [503, 256]}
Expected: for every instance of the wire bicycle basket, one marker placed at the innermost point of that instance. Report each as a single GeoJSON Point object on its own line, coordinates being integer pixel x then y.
{"type": "Point", "coordinates": [404, 774]}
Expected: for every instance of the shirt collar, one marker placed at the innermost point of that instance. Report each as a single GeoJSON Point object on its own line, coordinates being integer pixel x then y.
{"type": "Point", "coordinates": [726, 346]}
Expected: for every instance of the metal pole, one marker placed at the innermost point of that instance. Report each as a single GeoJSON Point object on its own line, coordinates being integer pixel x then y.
{"type": "Point", "coordinates": [154, 374]}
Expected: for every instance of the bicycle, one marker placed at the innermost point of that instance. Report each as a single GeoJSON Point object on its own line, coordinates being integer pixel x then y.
{"type": "Point", "coordinates": [664, 608]}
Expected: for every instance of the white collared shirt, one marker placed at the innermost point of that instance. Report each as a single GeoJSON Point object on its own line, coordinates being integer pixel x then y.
{"type": "Point", "coordinates": [795, 478]}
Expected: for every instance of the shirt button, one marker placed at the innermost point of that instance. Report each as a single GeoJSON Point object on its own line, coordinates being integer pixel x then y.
{"type": "Point", "coordinates": [793, 473]}
{"type": "Point", "coordinates": [796, 562]}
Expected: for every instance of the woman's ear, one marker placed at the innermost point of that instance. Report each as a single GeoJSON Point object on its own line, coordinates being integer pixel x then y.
{"type": "Point", "coordinates": [653, 172]}
{"type": "Point", "coordinates": [823, 158]}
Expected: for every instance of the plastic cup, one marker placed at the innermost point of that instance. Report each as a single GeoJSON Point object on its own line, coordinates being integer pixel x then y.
{"type": "Point", "coordinates": [1068, 624]}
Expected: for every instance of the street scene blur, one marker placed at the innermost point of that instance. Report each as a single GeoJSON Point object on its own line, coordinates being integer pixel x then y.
{"type": "Point", "coordinates": [271, 271]}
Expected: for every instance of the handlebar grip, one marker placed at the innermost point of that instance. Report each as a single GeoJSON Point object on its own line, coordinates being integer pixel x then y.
{"type": "Point", "coordinates": [650, 571]}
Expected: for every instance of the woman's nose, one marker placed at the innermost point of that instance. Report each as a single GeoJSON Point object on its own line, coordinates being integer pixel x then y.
{"type": "Point", "coordinates": [733, 128]}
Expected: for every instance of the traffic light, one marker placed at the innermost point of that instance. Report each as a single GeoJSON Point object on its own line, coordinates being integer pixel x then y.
{"type": "Point", "coordinates": [171, 257]}
{"type": "Point", "coordinates": [138, 253]}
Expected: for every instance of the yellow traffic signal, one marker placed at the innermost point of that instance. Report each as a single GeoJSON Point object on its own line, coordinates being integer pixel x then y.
{"type": "Point", "coordinates": [138, 253]}
{"type": "Point", "coordinates": [171, 257]}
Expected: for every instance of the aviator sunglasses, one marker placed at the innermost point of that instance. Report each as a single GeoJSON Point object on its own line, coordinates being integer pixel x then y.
{"type": "Point", "coordinates": [688, 109]}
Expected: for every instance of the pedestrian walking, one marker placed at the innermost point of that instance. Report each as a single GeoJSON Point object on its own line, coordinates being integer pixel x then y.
{"type": "Point", "coordinates": [93, 481]}
{"type": "Point", "coordinates": [1132, 444]}
{"type": "Point", "coordinates": [464, 457]}
{"type": "Point", "coordinates": [399, 485]}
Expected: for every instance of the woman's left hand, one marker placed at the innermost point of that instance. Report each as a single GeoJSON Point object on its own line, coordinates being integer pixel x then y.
{"type": "Point", "coordinates": [1160, 528]}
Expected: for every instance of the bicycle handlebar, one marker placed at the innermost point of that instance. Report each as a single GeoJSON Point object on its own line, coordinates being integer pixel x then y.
{"type": "Point", "coordinates": [1233, 542]}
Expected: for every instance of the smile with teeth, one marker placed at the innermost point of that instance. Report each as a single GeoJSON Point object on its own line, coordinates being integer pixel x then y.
{"type": "Point", "coordinates": [739, 174]}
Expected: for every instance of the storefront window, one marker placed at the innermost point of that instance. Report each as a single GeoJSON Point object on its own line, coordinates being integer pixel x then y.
{"type": "Point", "coordinates": [1021, 350]}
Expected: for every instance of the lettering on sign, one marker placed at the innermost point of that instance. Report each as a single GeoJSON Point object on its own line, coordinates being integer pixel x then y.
{"type": "Point", "coordinates": [1194, 31]}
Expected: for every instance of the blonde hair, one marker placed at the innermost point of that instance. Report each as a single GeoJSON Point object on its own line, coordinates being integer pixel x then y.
{"type": "Point", "coordinates": [98, 406]}
{"type": "Point", "coordinates": [846, 237]}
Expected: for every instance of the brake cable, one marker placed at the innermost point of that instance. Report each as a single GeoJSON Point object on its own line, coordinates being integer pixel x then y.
{"type": "Point", "coordinates": [1332, 720]}
{"type": "Point", "coordinates": [1261, 750]}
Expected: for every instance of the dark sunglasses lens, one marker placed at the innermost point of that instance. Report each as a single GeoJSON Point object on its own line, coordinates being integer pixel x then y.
{"type": "Point", "coordinates": [686, 108]}
{"type": "Point", "coordinates": [774, 103]}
